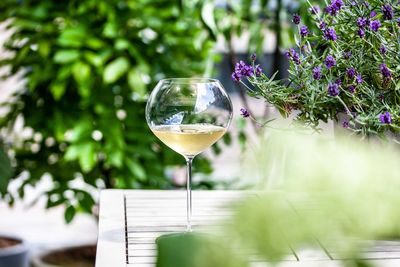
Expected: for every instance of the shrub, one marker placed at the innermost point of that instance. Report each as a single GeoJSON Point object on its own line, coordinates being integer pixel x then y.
{"type": "Point", "coordinates": [89, 66]}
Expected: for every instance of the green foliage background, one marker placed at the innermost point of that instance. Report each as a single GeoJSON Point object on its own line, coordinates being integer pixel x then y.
{"type": "Point", "coordinates": [89, 67]}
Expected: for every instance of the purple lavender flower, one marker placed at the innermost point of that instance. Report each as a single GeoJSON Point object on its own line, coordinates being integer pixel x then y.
{"type": "Point", "coordinates": [382, 50]}
{"type": "Point", "coordinates": [245, 70]}
{"type": "Point", "coordinates": [375, 25]}
{"type": "Point", "coordinates": [317, 73]}
{"type": "Point", "coordinates": [351, 88]}
{"type": "Point", "coordinates": [359, 79]}
{"type": "Point", "coordinates": [288, 55]}
{"type": "Point", "coordinates": [334, 8]}
{"type": "Point", "coordinates": [253, 57]}
{"type": "Point", "coordinates": [345, 124]}
{"type": "Point", "coordinates": [322, 25]}
{"type": "Point", "coordinates": [330, 61]}
{"type": "Point", "coordinates": [351, 72]}
{"type": "Point", "coordinates": [304, 31]}
{"type": "Point", "coordinates": [296, 19]}
{"type": "Point", "coordinates": [386, 73]}
{"type": "Point", "coordinates": [241, 69]}
{"type": "Point", "coordinates": [361, 22]}
{"type": "Point", "coordinates": [333, 89]}
{"type": "Point", "coordinates": [330, 34]}
{"type": "Point", "coordinates": [331, 10]}
{"type": "Point", "coordinates": [258, 70]}
{"type": "Point", "coordinates": [373, 14]}
{"type": "Point", "coordinates": [244, 113]}
{"type": "Point", "coordinates": [387, 12]}
{"type": "Point", "coordinates": [361, 32]}
{"type": "Point", "coordinates": [236, 76]}
{"type": "Point", "coordinates": [385, 118]}
{"type": "Point", "coordinates": [337, 3]}
{"type": "Point", "coordinates": [347, 54]}
{"type": "Point", "coordinates": [293, 55]}
{"type": "Point", "coordinates": [296, 58]}
{"type": "Point", "coordinates": [338, 82]}
{"type": "Point", "coordinates": [315, 10]}
{"type": "Point", "coordinates": [381, 97]}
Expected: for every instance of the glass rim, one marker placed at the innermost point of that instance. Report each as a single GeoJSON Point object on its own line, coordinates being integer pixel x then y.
{"type": "Point", "coordinates": [189, 80]}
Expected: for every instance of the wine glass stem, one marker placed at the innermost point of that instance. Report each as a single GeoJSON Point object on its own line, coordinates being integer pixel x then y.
{"type": "Point", "coordinates": [189, 161]}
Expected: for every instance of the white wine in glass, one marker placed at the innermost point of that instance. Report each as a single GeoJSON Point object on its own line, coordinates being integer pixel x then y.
{"type": "Point", "coordinates": [189, 115]}
{"type": "Point", "coordinates": [189, 139]}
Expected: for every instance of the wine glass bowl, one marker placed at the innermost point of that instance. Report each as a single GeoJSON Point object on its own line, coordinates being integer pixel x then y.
{"type": "Point", "coordinates": [189, 115]}
{"type": "Point", "coordinates": [192, 113]}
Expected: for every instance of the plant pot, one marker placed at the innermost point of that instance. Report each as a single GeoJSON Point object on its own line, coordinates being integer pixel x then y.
{"type": "Point", "coordinates": [78, 256]}
{"type": "Point", "coordinates": [13, 252]}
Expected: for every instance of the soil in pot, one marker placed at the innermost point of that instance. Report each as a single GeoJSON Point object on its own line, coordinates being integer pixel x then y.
{"type": "Point", "coordinates": [6, 242]}
{"type": "Point", "coordinates": [83, 256]}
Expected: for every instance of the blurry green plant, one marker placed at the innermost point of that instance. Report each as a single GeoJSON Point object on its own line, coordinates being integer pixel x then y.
{"type": "Point", "coordinates": [339, 193]}
{"type": "Point", "coordinates": [89, 66]}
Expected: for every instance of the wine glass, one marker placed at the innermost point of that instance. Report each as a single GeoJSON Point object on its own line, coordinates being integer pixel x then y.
{"type": "Point", "coordinates": [189, 115]}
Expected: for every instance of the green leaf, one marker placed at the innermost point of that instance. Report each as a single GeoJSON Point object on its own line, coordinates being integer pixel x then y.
{"type": "Point", "coordinates": [115, 70]}
{"type": "Point", "coordinates": [81, 72]}
{"type": "Point", "coordinates": [82, 130]}
{"type": "Point", "coordinates": [44, 48]}
{"type": "Point", "coordinates": [110, 30]}
{"type": "Point", "coordinates": [122, 44]}
{"type": "Point", "coordinates": [115, 158]}
{"type": "Point", "coordinates": [5, 171]}
{"type": "Point", "coordinates": [72, 153]}
{"type": "Point", "coordinates": [227, 139]}
{"type": "Point", "coordinates": [207, 17]}
{"type": "Point", "coordinates": [87, 156]}
{"type": "Point", "coordinates": [69, 214]}
{"type": "Point", "coordinates": [136, 82]}
{"type": "Point", "coordinates": [136, 169]}
{"type": "Point", "coordinates": [87, 202]}
{"type": "Point", "coordinates": [242, 140]}
{"type": "Point", "coordinates": [72, 37]}
{"type": "Point", "coordinates": [84, 90]}
{"type": "Point", "coordinates": [66, 56]}
{"type": "Point", "coordinates": [97, 59]}
{"type": "Point", "coordinates": [95, 43]}
{"type": "Point", "coordinates": [57, 89]}
{"type": "Point", "coordinates": [51, 204]}
{"type": "Point", "coordinates": [216, 149]}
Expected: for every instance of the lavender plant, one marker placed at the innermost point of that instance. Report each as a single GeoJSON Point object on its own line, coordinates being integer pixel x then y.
{"type": "Point", "coordinates": [350, 65]}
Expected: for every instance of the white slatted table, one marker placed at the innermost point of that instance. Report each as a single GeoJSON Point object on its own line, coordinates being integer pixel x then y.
{"type": "Point", "coordinates": [131, 220]}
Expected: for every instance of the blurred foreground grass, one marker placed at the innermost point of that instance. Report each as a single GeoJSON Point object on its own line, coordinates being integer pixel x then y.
{"type": "Point", "coordinates": [339, 192]}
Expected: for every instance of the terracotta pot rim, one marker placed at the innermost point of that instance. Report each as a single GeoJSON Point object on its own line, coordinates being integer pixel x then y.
{"type": "Point", "coordinates": [16, 249]}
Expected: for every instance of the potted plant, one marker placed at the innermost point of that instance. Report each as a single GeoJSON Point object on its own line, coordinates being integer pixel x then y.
{"type": "Point", "coordinates": [349, 65]}
{"type": "Point", "coordinates": [13, 252]}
